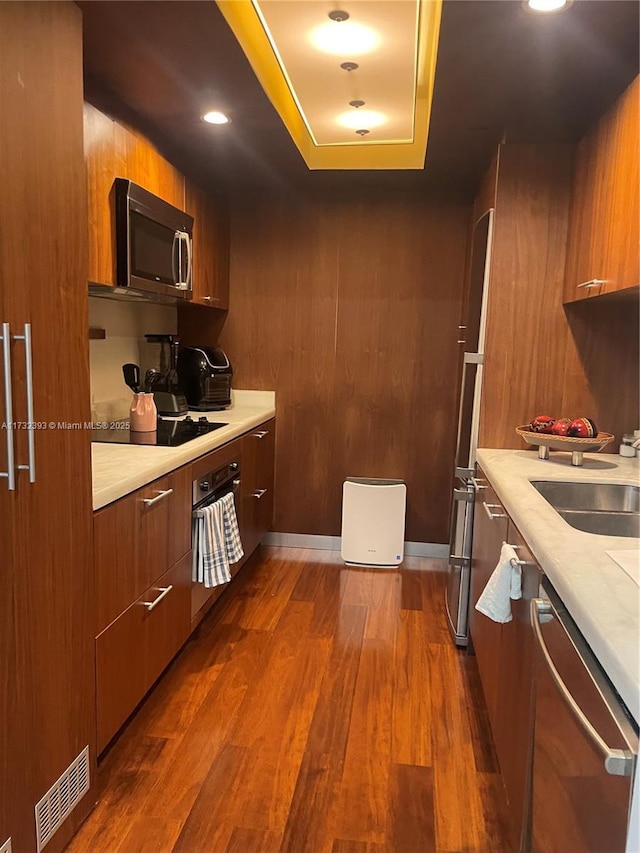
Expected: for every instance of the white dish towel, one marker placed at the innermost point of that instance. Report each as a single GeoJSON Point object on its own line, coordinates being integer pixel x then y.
{"type": "Point", "coordinates": [216, 542]}
{"type": "Point", "coordinates": [504, 585]}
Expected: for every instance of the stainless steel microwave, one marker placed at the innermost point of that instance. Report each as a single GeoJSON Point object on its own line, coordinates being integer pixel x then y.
{"type": "Point", "coordinates": [154, 244]}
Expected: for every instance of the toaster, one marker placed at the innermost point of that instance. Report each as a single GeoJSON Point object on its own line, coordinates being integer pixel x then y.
{"type": "Point", "coordinates": [204, 376]}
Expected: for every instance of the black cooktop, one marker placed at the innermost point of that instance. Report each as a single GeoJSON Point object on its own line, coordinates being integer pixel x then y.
{"type": "Point", "coordinates": [170, 433]}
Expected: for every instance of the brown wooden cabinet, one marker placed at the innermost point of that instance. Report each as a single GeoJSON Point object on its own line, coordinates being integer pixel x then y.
{"type": "Point", "coordinates": [514, 718]}
{"type": "Point", "coordinates": [505, 653]}
{"type": "Point", "coordinates": [210, 248]}
{"type": "Point", "coordinates": [489, 532]}
{"type": "Point", "coordinates": [256, 491]}
{"type": "Point", "coordinates": [134, 650]}
{"type": "Point", "coordinates": [47, 674]}
{"type": "Point", "coordinates": [113, 151]}
{"type": "Point", "coordinates": [142, 546]}
{"type": "Point", "coordinates": [136, 539]}
{"type": "Point", "coordinates": [603, 248]}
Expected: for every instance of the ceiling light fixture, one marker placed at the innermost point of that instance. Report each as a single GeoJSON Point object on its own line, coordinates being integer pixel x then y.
{"type": "Point", "coordinates": [356, 104]}
{"type": "Point", "coordinates": [361, 118]}
{"type": "Point", "coordinates": [546, 6]}
{"type": "Point", "coordinates": [349, 66]}
{"type": "Point", "coordinates": [362, 132]}
{"type": "Point", "coordinates": [341, 36]}
{"type": "Point", "coordinates": [215, 117]}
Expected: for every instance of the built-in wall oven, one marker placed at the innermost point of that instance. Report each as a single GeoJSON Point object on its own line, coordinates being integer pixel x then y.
{"type": "Point", "coordinates": [206, 490]}
{"type": "Point", "coordinates": [585, 742]}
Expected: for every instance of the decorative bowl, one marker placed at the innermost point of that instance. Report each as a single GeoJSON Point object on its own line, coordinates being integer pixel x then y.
{"type": "Point", "coordinates": [576, 446]}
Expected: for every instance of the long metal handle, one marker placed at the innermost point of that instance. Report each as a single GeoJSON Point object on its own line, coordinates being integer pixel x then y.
{"type": "Point", "coordinates": [159, 497]}
{"type": "Point", "coordinates": [617, 762]}
{"type": "Point", "coordinates": [31, 439]}
{"type": "Point", "coordinates": [174, 271]}
{"type": "Point", "coordinates": [259, 493]}
{"type": "Point", "coordinates": [593, 282]}
{"type": "Point", "coordinates": [493, 515]}
{"type": "Point", "coordinates": [261, 433]}
{"type": "Point", "coordinates": [187, 279]}
{"type": "Point", "coordinates": [10, 473]}
{"type": "Point", "coordinates": [164, 591]}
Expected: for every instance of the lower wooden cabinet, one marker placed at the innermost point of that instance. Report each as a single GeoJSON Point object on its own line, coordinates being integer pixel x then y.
{"type": "Point", "coordinates": [489, 532]}
{"type": "Point", "coordinates": [505, 655]}
{"type": "Point", "coordinates": [133, 651]}
{"type": "Point", "coordinates": [256, 491]}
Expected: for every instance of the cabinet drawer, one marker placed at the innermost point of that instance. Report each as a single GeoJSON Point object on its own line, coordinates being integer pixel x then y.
{"type": "Point", "coordinates": [137, 538]}
{"type": "Point", "coordinates": [489, 532]}
{"type": "Point", "coordinates": [132, 652]}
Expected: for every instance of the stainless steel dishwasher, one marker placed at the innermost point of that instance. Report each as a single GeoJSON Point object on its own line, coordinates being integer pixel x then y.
{"type": "Point", "coordinates": [585, 742]}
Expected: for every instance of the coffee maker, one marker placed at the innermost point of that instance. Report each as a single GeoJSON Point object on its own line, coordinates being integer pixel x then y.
{"type": "Point", "coordinates": [163, 382]}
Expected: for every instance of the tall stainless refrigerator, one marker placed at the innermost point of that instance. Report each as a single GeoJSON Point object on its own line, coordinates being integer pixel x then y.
{"type": "Point", "coordinates": [473, 336]}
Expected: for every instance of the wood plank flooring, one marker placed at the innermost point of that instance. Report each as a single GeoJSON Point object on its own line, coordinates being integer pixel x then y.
{"type": "Point", "coordinates": [318, 709]}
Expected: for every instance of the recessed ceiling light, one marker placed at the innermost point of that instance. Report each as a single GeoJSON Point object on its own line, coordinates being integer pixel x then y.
{"type": "Point", "coordinates": [546, 5]}
{"type": "Point", "coordinates": [215, 117]}
{"type": "Point", "coordinates": [356, 119]}
{"type": "Point", "coordinates": [344, 37]}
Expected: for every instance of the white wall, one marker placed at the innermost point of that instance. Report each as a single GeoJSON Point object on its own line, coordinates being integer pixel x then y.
{"type": "Point", "coordinates": [125, 324]}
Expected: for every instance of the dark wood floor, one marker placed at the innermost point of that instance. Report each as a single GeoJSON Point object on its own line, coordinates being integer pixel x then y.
{"type": "Point", "coordinates": [318, 708]}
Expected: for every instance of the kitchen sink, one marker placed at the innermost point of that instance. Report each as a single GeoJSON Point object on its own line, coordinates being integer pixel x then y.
{"type": "Point", "coordinates": [607, 509]}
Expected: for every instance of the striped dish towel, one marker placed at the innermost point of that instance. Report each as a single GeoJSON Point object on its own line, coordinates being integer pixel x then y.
{"type": "Point", "coordinates": [210, 560]}
{"type": "Point", "coordinates": [232, 541]}
{"type": "Point", "coordinates": [216, 542]}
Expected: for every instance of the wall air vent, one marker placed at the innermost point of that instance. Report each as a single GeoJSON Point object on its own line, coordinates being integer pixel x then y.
{"type": "Point", "coordinates": [6, 847]}
{"type": "Point", "coordinates": [61, 798]}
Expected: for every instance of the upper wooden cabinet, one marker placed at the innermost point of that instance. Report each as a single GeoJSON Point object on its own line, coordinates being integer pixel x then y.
{"type": "Point", "coordinates": [210, 249]}
{"type": "Point", "coordinates": [114, 151]}
{"type": "Point", "coordinates": [603, 249]}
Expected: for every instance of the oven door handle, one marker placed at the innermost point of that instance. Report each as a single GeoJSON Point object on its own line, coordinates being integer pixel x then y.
{"type": "Point", "coordinates": [617, 762]}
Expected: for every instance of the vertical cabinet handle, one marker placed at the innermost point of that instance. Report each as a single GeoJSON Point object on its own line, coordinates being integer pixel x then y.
{"type": "Point", "coordinates": [187, 277]}
{"type": "Point", "coordinates": [10, 473]}
{"type": "Point", "coordinates": [31, 464]}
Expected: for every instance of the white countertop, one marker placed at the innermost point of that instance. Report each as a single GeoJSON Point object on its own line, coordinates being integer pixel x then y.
{"type": "Point", "coordinates": [601, 597]}
{"type": "Point", "coordinates": [118, 469]}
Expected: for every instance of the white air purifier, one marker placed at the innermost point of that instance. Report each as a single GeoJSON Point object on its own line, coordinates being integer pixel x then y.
{"type": "Point", "coordinates": [373, 513]}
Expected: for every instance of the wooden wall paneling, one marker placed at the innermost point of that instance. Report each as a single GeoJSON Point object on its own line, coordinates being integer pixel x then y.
{"type": "Point", "coordinates": [349, 308]}
{"type": "Point", "coordinates": [48, 523]}
{"type": "Point", "coordinates": [603, 363]}
{"type": "Point", "coordinates": [526, 328]}
{"type": "Point", "coordinates": [281, 335]}
{"type": "Point", "coordinates": [396, 352]}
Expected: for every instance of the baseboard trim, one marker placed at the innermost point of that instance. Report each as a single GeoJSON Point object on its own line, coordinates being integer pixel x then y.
{"type": "Point", "coordinates": [332, 543]}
